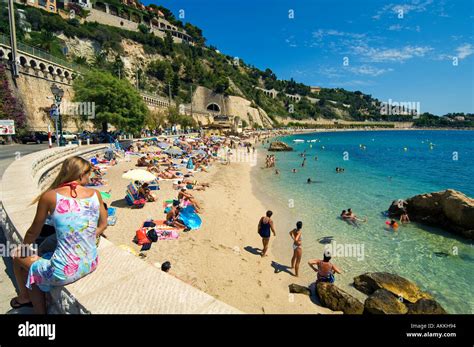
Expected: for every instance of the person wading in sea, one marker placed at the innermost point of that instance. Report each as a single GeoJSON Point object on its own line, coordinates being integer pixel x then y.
{"type": "Point", "coordinates": [264, 226]}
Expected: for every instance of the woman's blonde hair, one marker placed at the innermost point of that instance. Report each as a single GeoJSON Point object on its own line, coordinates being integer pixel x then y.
{"type": "Point", "coordinates": [72, 170]}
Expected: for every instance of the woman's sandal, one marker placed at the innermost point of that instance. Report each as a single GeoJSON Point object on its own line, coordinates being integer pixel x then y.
{"type": "Point", "coordinates": [15, 304]}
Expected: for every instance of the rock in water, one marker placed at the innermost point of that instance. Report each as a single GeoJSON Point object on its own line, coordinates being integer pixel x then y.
{"type": "Point", "coordinates": [448, 209]}
{"type": "Point", "coordinates": [369, 282]}
{"type": "Point", "coordinates": [297, 289]}
{"type": "Point", "coordinates": [338, 300]}
{"type": "Point", "coordinates": [425, 306]}
{"type": "Point", "coordinates": [384, 302]}
{"type": "Point", "coordinates": [278, 146]}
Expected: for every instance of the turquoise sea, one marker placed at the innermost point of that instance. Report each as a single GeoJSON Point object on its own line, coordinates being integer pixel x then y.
{"type": "Point", "coordinates": [380, 166]}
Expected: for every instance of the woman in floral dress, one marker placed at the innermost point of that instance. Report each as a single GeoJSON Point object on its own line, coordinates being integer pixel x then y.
{"type": "Point", "coordinates": [79, 217]}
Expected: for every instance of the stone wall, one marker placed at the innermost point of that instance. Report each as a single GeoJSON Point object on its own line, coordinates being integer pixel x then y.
{"type": "Point", "coordinates": [35, 95]}
{"type": "Point", "coordinates": [231, 105]}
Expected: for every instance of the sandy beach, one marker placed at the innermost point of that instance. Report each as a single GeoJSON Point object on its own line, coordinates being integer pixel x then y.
{"type": "Point", "coordinates": [221, 257]}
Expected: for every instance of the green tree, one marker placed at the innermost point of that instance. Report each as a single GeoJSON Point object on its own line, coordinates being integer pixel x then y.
{"type": "Point", "coordinates": [175, 84]}
{"type": "Point", "coordinates": [116, 101]}
{"type": "Point", "coordinates": [168, 44]}
{"type": "Point", "coordinates": [159, 69]}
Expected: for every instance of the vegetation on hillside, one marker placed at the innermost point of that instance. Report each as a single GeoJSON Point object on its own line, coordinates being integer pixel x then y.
{"type": "Point", "coordinates": [183, 67]}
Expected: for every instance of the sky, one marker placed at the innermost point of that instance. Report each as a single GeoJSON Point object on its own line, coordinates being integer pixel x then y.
{"type": "Point", "coordinates": [404, 51]}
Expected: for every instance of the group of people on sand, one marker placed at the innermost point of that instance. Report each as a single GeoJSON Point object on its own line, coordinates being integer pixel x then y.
{"type": "Point", "coordinates": [339, 170]}
{"type": "Point", "coordinates": [323, 267]}
{"type": "Point", "coordinates": [270, 161]}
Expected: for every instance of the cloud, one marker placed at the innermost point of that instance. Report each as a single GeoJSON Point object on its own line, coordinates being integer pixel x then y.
{"type": "Point", "coordinates": [465, 51]}
{"type": "Point", "coordinates": [398, 27]}
{"type": "Point", "coordinates": [368, 70]}
{"type": "Point", "coordinates": [462, 52]}
{"type": "Point", "coordinates": [321, 33]}
{"type": "Point", "coordinates": [291, 41]}
{"type": "Point", "coordinates": [400, 55]}
{"type": "Point", "coordinates": [403, 9]}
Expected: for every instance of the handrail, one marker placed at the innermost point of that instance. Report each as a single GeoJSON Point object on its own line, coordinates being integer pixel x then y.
{"type": "Point", "coordinates": [37, 52]}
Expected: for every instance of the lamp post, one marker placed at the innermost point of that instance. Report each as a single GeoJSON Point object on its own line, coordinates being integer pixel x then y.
{"type": "Point", "coordinates": [58, 93]}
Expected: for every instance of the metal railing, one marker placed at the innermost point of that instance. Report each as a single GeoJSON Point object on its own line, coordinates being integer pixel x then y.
{"type": "Point", "coordinates": [39, 53]}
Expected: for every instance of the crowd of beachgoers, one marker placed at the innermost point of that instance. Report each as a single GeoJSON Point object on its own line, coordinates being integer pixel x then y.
{"type": "Point", "coordinates": [72, 214]}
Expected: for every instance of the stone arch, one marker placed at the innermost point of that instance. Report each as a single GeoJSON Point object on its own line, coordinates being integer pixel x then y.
{"type": "Point", "coordinates": [59, 71]}
{"type": "Point", "coordinates": [42, 67]}
{"type": "Point", "coordinates": [100, 6]}
{"type": "Point", "coordinates": [33, 63]}
{"type": "Point", "coordinates": [2, 54]}
{"type": "Point", "coordinates": [113, 10]}
{"type": "Point", "coordinates": [23, 61]}
{"type": "Point", "coordinates": [51, 70]}
{"type": "Point", "coordinates": [67, 74]}
{"type": "Point", "coordinates": [213, 107]}
{"type": "Point", "coordinates": [9, 55]}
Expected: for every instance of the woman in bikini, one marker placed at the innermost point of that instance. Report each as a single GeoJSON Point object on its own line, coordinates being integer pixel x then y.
{"type": "Point", "coordinates": [295, 235]}
{"type": "Point", "coordinates": [324, 268]}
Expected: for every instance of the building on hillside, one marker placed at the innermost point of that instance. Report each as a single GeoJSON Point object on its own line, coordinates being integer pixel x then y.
{"type": "Point", "coordinates": [86, 4]}
{"type": "Point", "coordinates": [315, 90]}
{"type": "Point", "coordinates": [47, 5]}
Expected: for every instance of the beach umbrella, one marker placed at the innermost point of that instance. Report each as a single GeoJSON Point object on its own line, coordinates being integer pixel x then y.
{"type": "Point", "coordinates": [174, 150]}
{"type": "Point", "coordinates": [139, 175]}
{"type": "Point", "coordinates": [163, 145]}
{"type": "Point", "coordinates": [198, 152]}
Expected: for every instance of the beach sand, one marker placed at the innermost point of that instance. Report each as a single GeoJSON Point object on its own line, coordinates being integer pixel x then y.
{"type": "Point", "coordinates": [220, 258]}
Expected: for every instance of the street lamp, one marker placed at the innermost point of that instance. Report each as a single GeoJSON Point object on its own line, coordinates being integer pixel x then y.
{"type": "Point", "coordinates": [58, 93]}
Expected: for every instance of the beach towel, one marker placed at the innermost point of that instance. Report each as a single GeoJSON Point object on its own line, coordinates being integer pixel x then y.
{"type": "Point", "coordinates": [111, 216]}
{"type": "Point", "coordinates": [190, 218]}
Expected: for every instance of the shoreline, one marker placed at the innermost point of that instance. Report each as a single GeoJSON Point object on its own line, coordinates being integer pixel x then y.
{"type": "Point", "coordinates": [221, 257]}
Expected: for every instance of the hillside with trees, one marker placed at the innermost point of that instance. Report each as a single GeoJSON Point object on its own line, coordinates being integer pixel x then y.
{"type": "Point", "coordinates": [173, 69]}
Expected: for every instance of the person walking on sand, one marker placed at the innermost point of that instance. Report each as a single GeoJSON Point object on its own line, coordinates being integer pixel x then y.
{"type": "Point", "coordinates": [295, 235]}
{"type": "Point", "coordinates": [264, 226]}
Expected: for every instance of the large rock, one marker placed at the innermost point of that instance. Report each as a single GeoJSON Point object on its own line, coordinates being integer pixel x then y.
{"type": "Point", "coordinates": [278, 146]}
{"type": "Point", "coordinates": [297, 289]}
{"type": "Point", "coordinates": [397, 208]}
{"type": "Point", "coordinates": [338, 300]}
{"type": "Point", "coordinates": [369, 282]}
{"type": "Point", "coordinates": [384, 302]}
{"type": "Point", "coordinates": [425, 306]}
{"type": "Point", "coordinates": [448, 209]}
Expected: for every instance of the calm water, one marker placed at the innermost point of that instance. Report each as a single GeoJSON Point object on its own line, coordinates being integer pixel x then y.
{"type": "Point", "coordinates": [393, 165]}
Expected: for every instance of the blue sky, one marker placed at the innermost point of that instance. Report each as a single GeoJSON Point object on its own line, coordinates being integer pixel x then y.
{"type": "Point", "coordinates": [398, 50]}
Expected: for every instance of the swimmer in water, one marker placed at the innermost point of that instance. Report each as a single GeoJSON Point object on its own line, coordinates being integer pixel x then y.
{"type": "Point", "coordinates": [309, 181]}
{"type": "Point", "coordinates": [277, 172]}
{"type": "Point", "coordinates": [404, 217]}
{"type": "Point", "coordinates": [294, 170]}
{"type": "Point", "coordinates": [304, 161]}
{"type": "Point", "coordinates": [393, 224]}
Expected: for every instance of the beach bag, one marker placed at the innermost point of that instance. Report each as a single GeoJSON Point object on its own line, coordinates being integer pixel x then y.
{"type": "Point", "coordinates": [152, 235]}
{"type": "Point", "coordinates": [141, 237]}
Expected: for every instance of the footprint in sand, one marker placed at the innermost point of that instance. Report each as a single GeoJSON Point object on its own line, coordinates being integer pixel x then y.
{"type": "Point", "coordinates": [259, 283]}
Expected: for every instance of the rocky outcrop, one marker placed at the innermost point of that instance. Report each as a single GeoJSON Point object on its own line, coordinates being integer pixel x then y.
{"type": "Point", "coordinates": [448, 209]}
{"type": "Point", "coordinates": [369, 282]}
{"type": "Point", "coordinates": [338, 300]}
{"type": "Point", "coordinates": [297, 289]}
{"type": "Point", "coordinates": [425, 306]}
{"type": "Point", "coordinates": [384, 302]}
{"type": "Point", "coordinates": [278, 146]}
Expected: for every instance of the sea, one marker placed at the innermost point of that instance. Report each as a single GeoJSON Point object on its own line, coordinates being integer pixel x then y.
{"type": "Point", "coordinates": [379, 167]}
